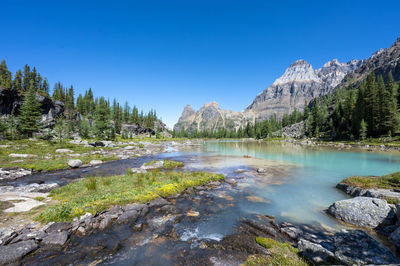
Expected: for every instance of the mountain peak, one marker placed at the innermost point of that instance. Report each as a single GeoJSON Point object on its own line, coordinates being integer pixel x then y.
{"type": "Point", "coordinates": [213, 104]}
{"type": "Point", "coordinates": [299, 63]}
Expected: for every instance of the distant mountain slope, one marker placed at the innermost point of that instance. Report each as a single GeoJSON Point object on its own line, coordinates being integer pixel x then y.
{"type": "Point", "coordinates": [382, 62]}
{"type": "Point", "coordinates": [300, 83]}
{"type": "Point", "coordinates": [211, 117]}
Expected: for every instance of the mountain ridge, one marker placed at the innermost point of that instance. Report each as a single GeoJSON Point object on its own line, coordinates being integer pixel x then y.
{"type": "Point", "coordinates": [299, 84]}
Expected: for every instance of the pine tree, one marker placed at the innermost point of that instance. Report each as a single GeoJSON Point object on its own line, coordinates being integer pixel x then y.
{"type": "Point", "coordinates": [5, 76]}
{"type": "Point", "coordinates": [391, 114]}
{"type": "Point", "coordinates": [371, 105]}
{"type": "Point", "coordinates": [12, 126]}
{"type": "Point", "coordinates": [306, 112]}
{"type": "Point", "coordinates": [26, 78]}
{"type": "Point", "coordinates": [102, 118]}
{"type": "Point", "coordinates": [363, 130]}
{"type": "Point", "coordinates": [60, 129]}
{"type": "Point", "coordinates": [17, 82]}
{"type": "Point", "coordinates": [45, 86]}
{"type": "Point", "coordinates": [29, 112]}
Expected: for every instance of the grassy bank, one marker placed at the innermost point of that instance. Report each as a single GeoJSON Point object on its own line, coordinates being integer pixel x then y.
{"type": "Point", "coordinates": [167, 164]}
{"type": "Point", "coordinates": [390, 181]}
{"type": "Point", "coordinates": [281, 254]}
{"type": "Point", "coordinates": [43, 156]}
{"type": "Point", "coordinates": [95, 194]}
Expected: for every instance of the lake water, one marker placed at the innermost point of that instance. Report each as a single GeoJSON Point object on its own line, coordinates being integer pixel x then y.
{"type": "Point", "coordinates": [297, 186]}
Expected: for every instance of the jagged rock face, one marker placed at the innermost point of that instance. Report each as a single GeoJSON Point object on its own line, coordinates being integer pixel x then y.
{"type": "Point", "coordinates": [211, 117]}
{"type": "Point", "coordinates": [382, 62]}
{"type": "Point", "coordinates": [300, 83]}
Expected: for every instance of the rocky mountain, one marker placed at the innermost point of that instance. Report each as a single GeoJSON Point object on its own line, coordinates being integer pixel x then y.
{"type": "Point", "coordinates": [382, 62]}
{"type": "Point", "coordinates": [300, 83]}
{"type": "Point", "coordinates": [211, 117]}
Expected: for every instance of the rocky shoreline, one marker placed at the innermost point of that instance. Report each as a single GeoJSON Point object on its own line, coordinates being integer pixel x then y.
{"type": "Point", "coordinates": [156, 219]}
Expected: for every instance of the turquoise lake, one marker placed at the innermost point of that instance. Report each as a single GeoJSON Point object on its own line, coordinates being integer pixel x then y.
{"type": "Point", "coordinates": [308, 181]}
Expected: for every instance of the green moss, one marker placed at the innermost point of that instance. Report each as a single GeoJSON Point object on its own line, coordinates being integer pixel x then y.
{"type": "Point", "coordinates": [150, 163]}
{"type": "Point", "coordinates": [390, 181]}
{"type": "Point", "coordinates": [77, 198]}
{"type": "Point", "coordinates": [281, 254]}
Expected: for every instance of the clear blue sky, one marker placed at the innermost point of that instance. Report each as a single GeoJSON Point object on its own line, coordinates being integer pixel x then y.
{"type": "Point", "coordinates": [166, 54]}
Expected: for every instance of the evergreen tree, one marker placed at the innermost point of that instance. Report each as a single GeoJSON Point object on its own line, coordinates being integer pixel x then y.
{"type": "Point", "coordinates": [102, 118]}
{"type": "Point", "coordinates": [17, 82]}
{"type": "Point", "coordinates": [26, 78]}
{"type": "Point", "coordinates": [60, 129]}
{"type": "Point", "coordinates": [371, 105]}
{"type": "Point", "coordinates": [5, 76]}
{"type": "Point", "coordinates": [363, 130]}
{"type": "Point", "coordinates": [306, 111]}
{"type": "Point", "coordinates": [12, 126]}
{"type": "Point", "coordinates": [29, 112]}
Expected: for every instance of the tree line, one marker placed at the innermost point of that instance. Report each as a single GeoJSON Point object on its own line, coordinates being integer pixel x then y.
{"type": "Point", "coordinates": [86, 115]}
{"type": "Point", "coordinates": [369, 109]}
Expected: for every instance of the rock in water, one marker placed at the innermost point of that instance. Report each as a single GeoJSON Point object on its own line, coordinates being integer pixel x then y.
{"type": "Point", "coordinates": [75, 163]}
{"type": "Point", "coordinates": [12, 253]}
{"type": "Point", "coordinates": [357, 247]}
{"type": "Point", "coordinates": [261, 170]}
{"type": "Point", "coordinates": [363, 211]}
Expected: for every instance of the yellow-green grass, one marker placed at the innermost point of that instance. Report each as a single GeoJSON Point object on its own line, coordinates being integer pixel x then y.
{"type": "Point", "coordinates": [390, 181]}
{"type": "Point", "coordinates": [45, 157]}
{"type": "Point", "coordinates": [95, 194]}
{"type": "Point", "coordinates": [168, 164]}
{"type": "Point", "coordinates": [281, 254]}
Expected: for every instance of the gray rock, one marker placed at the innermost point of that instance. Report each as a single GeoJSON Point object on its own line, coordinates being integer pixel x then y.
{"type": "Point", "coordinates": [14, 252]}
{"type": "Point", "coordinates": [154, 165]}
{"type": "Point", "coordinates": [95, 162]}
{"type": "Point", "coordinates": [373, 193]}
{"type": "Point", "coordinates": [6, 235]}
{"type": "Point", "coordinates": [64, 151]}
{"type": "Point", "coordinates": [261, 170]}
{"type": "Point", "coordinates": [357, 247]}
{"type": "Point", "coordinates": [75, 163]}
{"type": "Point", "coordinates": [105, 222]}
{"type": "Point", "coordinates": [128, 216]}
{"type": "Point", "coordinates": [363, 211]}
{"type": "Point", "coordinates": [292, 232]}
{"type": "Point", "coordinates": [316, 252]}
{"type": "Point", "coordinates": [159, 202]}
{"type": "Point", "coordinates": [56, 238]}
{"type": "Point", "coordinates": [394, 238]}
{"type": "Point", "coordinates": [239, 171]}
{"type": "Point", "coordinates": [58, 227]}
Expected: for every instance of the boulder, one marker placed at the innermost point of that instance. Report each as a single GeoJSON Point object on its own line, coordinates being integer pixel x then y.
{"type": "Point", "coordinates": [75, 163]}
{"type": "Point", "coordinates": [363, 211]}
{"type": "Point", "coordinates": [159, 202]}
{"type": "Point", "coordinates": [14, 252]}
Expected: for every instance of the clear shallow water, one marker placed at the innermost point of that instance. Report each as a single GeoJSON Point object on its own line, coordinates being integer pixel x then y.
{"type": "Point", "coordinates": [309, 187]}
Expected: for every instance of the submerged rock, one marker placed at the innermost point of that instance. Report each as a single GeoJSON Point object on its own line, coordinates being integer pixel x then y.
{"type": "Point", "coordinates": [363, 211]}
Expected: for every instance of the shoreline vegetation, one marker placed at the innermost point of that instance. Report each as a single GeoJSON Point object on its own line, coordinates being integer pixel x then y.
{"type": "Point", "coordinates": [96, 194]}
